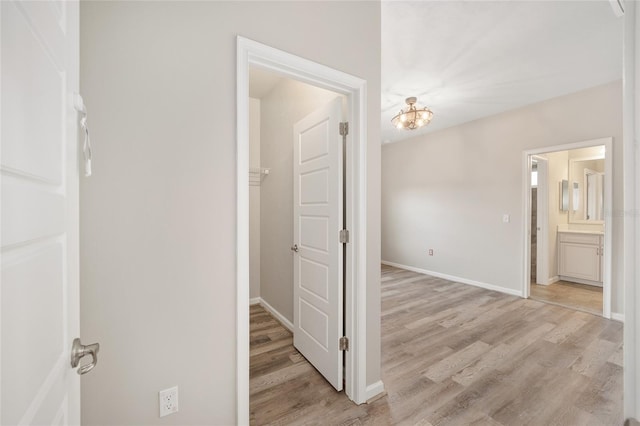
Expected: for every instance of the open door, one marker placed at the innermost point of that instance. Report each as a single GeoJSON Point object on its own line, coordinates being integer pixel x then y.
{"type": "Point", "coordinates": [39, 291]}
{"type": "Point", "coordinates": [542, 221]}
{"type": "Point", "coordinates": [317, 218]}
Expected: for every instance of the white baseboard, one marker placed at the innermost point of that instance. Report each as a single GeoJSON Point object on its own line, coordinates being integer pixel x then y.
{"type": "Point", "coordinates": [617, 316]}
{"type": "Point", "coordinates": [553, 280]}
{"type": "Point", "coordinates": [550, 281]}
{"type": "Point", "coordinates": [254, 301]}
{"type": "Point", "coordinates": [287, 324]}
{"type": "Point", "coordinates": [581, 281]}
{"type": "Point", "coordinates": [374, 390]}
{"type": "Point", "coordinates": [456, 279]}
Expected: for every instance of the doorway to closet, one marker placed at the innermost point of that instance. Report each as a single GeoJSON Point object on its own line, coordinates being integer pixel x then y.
{"type": "Point", "coordinates": [296, 210]}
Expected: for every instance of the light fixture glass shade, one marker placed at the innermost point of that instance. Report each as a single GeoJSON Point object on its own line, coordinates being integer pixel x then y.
{"type": "Point", "coordinates": [412, 117]}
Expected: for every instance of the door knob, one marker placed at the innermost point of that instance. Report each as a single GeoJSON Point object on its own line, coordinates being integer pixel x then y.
{"type": "Point", "coordinates": [294, 248]}
{"type": "Point", "coordinates": [78, 350]}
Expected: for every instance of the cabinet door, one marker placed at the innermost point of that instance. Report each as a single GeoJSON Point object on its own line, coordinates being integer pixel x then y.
{"type": "Point", "coordinates": [580, 261]}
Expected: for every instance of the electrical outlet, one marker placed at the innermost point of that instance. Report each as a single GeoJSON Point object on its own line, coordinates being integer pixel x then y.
{"type": "Point", "coordinates": [430, 252]}
{"type": "Point", "coordinates": [168, 401]}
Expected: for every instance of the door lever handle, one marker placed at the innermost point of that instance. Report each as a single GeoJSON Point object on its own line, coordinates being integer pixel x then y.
{"type": "Point", "coordinates": [78, 350]}
{"type": "Point", "coordinates": [294, 248]}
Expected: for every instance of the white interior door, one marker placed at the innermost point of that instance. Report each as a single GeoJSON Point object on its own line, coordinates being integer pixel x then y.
{"type": "Point", "coordinates": [317, 211]}
{"type": "Point", "coordinates": [542, 256]}
{"type": "Point", "coordinates": [39, 205]}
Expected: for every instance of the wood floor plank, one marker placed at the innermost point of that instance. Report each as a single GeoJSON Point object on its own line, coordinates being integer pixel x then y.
{"type": "Point", "coordinates": [454, 355]}
{"type": "Point", "coordinates": [583, 297]}
{"type": "Point", "coordinates": [456, 362]}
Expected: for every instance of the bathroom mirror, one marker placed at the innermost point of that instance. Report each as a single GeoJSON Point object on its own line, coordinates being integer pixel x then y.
{"type": "Point", "coordinates": [586, 182]}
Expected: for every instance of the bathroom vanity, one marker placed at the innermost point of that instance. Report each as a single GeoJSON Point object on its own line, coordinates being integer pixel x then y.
{"type": "Point", "coordinates": [580, 256]}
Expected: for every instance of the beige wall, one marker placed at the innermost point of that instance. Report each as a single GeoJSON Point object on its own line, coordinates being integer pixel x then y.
{"type": "Point", "coordinates": [286, 104]}
{"type": "Point", "coordinates": [158, 217]}
{"type": "Point", "coordinates": [448, 190]}
{"type": "Point", "coordinates": [254, 199]}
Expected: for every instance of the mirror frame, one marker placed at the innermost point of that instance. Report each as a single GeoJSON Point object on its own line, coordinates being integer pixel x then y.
{"type": "Point", "coordinates": [564, 195]}
{"type": "Point", "coordinates": [581, 185]}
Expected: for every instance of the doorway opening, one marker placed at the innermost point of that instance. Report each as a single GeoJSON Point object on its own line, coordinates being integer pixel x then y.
{"type": "Point", "coordinates": [296, 211]}
{"type": "Point", "coordinates": [251, 54]}
{"type": "Point", "coordinates": [567, 235]}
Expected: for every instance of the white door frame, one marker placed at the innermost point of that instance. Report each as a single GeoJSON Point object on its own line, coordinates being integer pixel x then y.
{"type": "Point", "coordinates": [542, 258]}
{"type": "Point", "coordinates": [608, 208]}
{"type": "Point", "coordinates": [252, 53]}
{"type": "Point", "coordinates": [631, 188]}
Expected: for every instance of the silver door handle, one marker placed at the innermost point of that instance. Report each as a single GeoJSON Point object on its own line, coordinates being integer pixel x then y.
{"type": "Point", "coordinates": [78, 350]}
{"type": "Point", "coordinates": [294, 248]}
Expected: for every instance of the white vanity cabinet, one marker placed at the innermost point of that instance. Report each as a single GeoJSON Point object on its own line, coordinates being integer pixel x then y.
{"type": "Point", "coordinates": [580, 257]}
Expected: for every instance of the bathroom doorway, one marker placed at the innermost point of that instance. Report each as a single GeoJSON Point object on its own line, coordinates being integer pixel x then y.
{"type": "Point", "coordinates": [568, 192]}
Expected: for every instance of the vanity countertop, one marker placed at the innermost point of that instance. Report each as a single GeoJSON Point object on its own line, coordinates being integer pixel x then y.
{"type": "Point", "coordinates": [580, 231]}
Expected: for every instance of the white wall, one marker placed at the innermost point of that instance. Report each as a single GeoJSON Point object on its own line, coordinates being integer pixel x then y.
{"type": "Point", "coordinates": [254, 199]}
{"type": "Point", "coordinates": [448, 190]}
{"type": "Point", "coordinates": [158, 217]}
{"type": "Point", "coordinates": [287, 103]}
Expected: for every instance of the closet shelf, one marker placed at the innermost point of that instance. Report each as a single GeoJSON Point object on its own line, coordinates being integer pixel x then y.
{"type": "Point", "coordinates": [257, 175]}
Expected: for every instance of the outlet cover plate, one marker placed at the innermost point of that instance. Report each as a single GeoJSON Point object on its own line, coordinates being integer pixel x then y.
{"type": "Point", "coordinates": [168, 399]}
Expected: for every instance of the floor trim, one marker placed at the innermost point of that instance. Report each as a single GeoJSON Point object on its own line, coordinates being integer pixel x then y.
{"type": "Point", "coordinates": [553, 280]}
{"type": "Point", "coordinates": [281, 318]}
{"type": "Point", "coordinates": [374, 390]}
{"type": "Point", "coordinates": [456, 279]}
{"type": "Point", "coordinates": [616, 316]}
{"type": "Point", "coordinates": [254, 301]}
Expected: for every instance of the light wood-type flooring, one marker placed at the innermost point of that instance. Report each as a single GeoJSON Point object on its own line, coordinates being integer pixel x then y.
{"type": "Point", "coordinates": [453, 354]}
{"type": "Point", "coordinates": [583, 297]}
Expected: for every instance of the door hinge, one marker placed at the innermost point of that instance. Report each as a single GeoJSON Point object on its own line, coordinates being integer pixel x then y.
{"type": "Point", "coordinates": [344, 236]}
{"type": "Point", "coordinates": [344, 343]}
{"type": "Point", "coordinates": [344, 128]}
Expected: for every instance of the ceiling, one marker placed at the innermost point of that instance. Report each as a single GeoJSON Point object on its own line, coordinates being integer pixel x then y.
{"type": "Point", "coordinates": [472, 59]}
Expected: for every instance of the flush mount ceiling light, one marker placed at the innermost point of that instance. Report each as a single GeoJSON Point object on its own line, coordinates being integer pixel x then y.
{"type": "Point", "coordinates": [412, 117]}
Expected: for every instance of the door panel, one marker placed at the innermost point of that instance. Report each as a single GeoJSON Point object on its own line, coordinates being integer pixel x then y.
{"type": "Point", "coordinates": [318, 317]}
{"type": "Point", "coordinates": [314, 323]}
{"type": "Point", "coordinates": [314, 233]}
{"type": "Point", "coordinates": [316, 188]}
{"type": "Point", "coordinates": [39, 207]}
{"type": "Point", "coordinates": [29, 61]}
{"type": "Point", "coordinates": [316, 139]}
{"type": "Point", "coordinates": [314, 278]}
